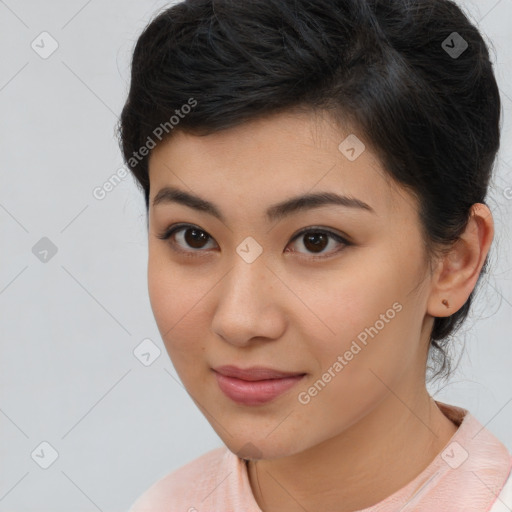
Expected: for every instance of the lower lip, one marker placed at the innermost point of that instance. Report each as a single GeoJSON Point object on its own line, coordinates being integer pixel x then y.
{"type": "Point", "coordinates": [255, 392]}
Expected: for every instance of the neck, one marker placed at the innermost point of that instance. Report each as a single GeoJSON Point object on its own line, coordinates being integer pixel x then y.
{"type": "Point", "coordinates": [363, 465]}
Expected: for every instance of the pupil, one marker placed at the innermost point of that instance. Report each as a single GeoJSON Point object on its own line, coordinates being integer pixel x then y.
{"type": "Point", "coordinates": [196, 238]}
{"type": "Point", "coordinates": [316, 244]}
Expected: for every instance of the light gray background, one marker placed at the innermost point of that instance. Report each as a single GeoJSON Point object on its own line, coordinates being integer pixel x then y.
{"type": "Point", "coordinates": [68, 374]}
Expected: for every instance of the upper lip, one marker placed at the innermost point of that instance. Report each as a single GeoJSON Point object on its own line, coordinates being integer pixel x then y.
{"type": "Point", "coordinates": [254, 373]}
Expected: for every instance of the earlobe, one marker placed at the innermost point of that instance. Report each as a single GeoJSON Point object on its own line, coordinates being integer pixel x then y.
{"type": "Point", "coordinates": [458, 270]}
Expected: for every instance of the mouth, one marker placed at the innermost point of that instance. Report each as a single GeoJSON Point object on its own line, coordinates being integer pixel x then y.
{"type": "Point", "coordinates": [256, 385]}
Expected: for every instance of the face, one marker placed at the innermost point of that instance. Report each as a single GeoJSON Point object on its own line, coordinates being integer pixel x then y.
{"type": "Point", "coordinates": [333, 293]}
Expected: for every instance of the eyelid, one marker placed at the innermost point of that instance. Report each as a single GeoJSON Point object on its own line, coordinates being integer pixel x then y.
{"type": "Point", "coordinates": [339, 237]}
{"type": "Point", "coordinates": [322, 229]}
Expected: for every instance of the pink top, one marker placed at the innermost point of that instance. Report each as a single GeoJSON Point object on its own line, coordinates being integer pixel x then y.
{"type": "Point", "coordinates": [467, 476]}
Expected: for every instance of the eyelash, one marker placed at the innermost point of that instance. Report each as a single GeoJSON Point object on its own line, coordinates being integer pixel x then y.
{"type": "Point", "coordinates": [171, 230]}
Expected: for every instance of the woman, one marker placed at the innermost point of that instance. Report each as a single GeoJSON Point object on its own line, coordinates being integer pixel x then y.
{"type": "Point", "coordinates": [315, 176]}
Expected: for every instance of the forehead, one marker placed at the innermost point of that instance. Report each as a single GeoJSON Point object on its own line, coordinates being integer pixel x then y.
{"type": "Point", "coordinates": [267, 160]}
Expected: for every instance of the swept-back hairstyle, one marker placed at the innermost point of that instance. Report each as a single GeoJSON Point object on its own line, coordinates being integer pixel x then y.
{"type": "Point", "coordinates": [412, 76]}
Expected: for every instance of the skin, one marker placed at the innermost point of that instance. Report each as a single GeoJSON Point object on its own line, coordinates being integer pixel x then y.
{"type": "Point", "coordinates": [373, 427]}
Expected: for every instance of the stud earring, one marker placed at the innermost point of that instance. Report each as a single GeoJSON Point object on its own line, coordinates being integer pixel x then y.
{"type": "Point", "coordinates": [445, 302]}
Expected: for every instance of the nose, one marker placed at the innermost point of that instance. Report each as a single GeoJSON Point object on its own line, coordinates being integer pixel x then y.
{"type": "Point", "coordinates": [250, 304]}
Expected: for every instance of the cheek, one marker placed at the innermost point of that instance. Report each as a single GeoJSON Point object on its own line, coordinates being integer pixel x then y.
{"type": "Point", "coordinates": [364, 348]}
{"type": "Point", "coordinates": [162, 287]}
{"type": "Point", "coordinates": [364, 313]}
{"type": "Point", "coordinates": [342, 303]}
{"type": "Point", "coordinates": [176, 301]}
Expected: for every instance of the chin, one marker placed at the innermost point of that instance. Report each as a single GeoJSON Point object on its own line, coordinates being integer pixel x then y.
{"type": "Point", "coordinates": [256, 448]}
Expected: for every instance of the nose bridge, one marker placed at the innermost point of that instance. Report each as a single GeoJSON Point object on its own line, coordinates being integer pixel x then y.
{"type": "Point", "coordinates": [245, 302]}
{"type": "Point", "coordinates": [249, 274]}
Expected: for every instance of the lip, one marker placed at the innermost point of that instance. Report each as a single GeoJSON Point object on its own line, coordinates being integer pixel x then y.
{"type": "Point", "coordinates": [256, 385]}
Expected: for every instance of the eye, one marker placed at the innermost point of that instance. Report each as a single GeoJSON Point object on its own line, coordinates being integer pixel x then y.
{"type": "Point", "coordinates": [192, 236]}
{"type": "Point", "coordinates": [316, 239]}
{"type": "Point", "coordinates": [185, 236]}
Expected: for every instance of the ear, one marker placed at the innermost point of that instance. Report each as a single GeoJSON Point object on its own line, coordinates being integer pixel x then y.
{"type": "Point", "coordinates": [457, 272]}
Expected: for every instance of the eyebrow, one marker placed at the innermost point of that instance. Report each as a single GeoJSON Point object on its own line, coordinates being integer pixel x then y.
{"type": "Point", "coordinates": [278, 211]}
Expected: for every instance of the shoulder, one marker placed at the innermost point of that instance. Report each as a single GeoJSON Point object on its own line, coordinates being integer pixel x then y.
{"type": "Point", "coordinates": [186, 486]}
{"type": "Point", "coordinates": [503, 502]}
